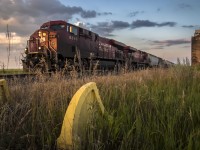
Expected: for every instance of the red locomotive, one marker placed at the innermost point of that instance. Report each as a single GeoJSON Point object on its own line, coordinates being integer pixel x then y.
{"type": "Point", "coordinates": [58, 44]}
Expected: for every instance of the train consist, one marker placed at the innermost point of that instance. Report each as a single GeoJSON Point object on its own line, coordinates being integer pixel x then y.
{"type": "Point", "coordinates": [58, 45]}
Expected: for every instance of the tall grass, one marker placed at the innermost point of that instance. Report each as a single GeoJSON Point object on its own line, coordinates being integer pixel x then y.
{"type": "Point", "coordinates": [150, 109]}
{"type": "Point", "coordinates": [11, 71]}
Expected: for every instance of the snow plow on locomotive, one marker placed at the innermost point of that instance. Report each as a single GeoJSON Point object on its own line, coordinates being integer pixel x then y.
{"type": "Point", "coordinates": [58, 43]}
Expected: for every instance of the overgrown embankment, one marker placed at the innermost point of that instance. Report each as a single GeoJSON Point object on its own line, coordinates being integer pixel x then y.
{"type": "Point", "coordinates": [150, 109]}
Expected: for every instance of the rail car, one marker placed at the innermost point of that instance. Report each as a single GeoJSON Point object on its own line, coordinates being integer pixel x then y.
{"type": "Point", "coordinates": [59, 45]}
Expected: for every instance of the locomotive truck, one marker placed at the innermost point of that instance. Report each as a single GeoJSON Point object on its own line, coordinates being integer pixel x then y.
{"type": "Point", "coordinates": [59, 45]}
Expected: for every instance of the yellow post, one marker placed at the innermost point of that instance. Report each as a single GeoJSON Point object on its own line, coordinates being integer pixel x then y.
{"type": "Point", "coordinates": [85, 103]}
{"type": "Point", "coordinates": [4, 93]}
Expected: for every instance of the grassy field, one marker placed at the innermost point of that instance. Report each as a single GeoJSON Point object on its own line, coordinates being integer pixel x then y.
{"type": "Point", "coordinates": [11, 71]}
{"type": "Point", "coordinates": [150, 109]}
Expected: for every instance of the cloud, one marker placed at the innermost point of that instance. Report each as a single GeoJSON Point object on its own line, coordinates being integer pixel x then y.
{"type": "Point", "coordinates": [188, 26]}
{"type": "Point", "coordinates": [147, 23]}
{"type": "Point", "coordinates": [14, 39]}
{"type": "Point", "coordinates": [106, 28]}
{"type": "Point", "coordinates": [158, 10]}
{"type": "Point", "coordinates": [120, 24]}
{"type": "Point", "coordinates": [103, 28]}
{"type": "Point", "coordinates": [135, 13]}
{"type": "Point", "coordinates": [159, 47]}
{"type": "Point", "coordinates": [24, 16]}
{"type": "Point", "coordinates": [27, 15]}
{"type": "Point", "coordinates": [89, 14]}
{"type": "Point", "coordinates": [93, 14]}
{"type": "Point", "coordinates": [167, 43]}
{"type": "Point", "coordinates": [105, 13]}
{"type": "Point", "coordinates": [184, 6]}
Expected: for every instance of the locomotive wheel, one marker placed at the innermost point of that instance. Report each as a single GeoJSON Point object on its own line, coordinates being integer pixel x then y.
{"type": "Point", "coordinates": [119, 66]}
{"type": "Point", "coordinates": [69, 65]}
{"type": "Point", "coordinates": [40, 68]}
{"type": "Point", "coordinates": [76, 66]}
{"type": "Point", "coordinates": [85, 64]}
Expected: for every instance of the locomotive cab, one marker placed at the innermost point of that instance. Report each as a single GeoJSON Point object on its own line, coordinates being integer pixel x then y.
{"type": "Point", "coordinates": [41, 50]}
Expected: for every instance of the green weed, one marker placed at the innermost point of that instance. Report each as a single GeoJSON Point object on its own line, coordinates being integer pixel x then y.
{"type": "Point", "coordinates": [148, 109]}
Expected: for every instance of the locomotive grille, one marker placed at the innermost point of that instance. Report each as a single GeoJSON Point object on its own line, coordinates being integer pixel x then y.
{"type": "Point", "coordinates": [33, 46]}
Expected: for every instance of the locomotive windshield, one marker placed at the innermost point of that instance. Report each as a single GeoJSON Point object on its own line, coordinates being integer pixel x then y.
{"type": "Point", "coordinates": [44, 27]}
{"type": "Point", "coordinates": [54, 27]}
{"type": "Point", "coordinates": [57, 27]}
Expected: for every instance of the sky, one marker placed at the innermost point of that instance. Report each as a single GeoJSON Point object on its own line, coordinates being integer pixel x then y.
{"type": "Point", "coordinates": [160, 27]}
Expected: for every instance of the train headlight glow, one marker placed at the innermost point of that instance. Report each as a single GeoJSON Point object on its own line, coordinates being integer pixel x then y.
{"type": "Point", "coordinates": [39, 33]}
{"type": "Point", "coordinates": [39, 48]}
{"type": "Point", "coordinates": [26, 50]}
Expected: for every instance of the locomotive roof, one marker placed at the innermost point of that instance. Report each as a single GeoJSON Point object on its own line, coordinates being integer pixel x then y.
{"type": "Point", "coordinates": [117, 43]}
{"type": "Point", "coordinates": [130, 48]}
{"type": "Point", "coordinates": [53, 23]}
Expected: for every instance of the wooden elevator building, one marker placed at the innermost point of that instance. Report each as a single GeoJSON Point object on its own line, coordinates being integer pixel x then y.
{"type": "Point", "coordinates": [195, 48]}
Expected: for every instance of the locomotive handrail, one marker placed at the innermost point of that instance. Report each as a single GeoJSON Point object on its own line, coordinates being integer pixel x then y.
{"type": "Point", "coordinates": [53, 50]}
{"type": "Point", "coordinates": [51, 47]}
{"type": "Point", "coordinates": [49, 51]}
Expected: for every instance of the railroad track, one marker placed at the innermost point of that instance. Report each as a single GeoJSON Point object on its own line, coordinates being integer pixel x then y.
{"type": "Point", "coordinates": [12, 76]}
{"type": "Point", "coordinates": [68, 74]}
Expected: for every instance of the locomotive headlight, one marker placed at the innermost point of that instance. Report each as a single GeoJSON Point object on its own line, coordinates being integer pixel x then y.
{"type": "Point", "coordinates": [26, 50]}
{"type": "Point", "coordinates": [39, 48]}
{"type": "Point", "coordinates": [39, 33]}
{"type": "Point", "coordinates": [43, 34]}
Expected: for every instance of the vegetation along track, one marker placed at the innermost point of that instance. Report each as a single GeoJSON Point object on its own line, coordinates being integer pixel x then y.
{"type": "Point", "coordinates": [149, 109]}
{"type": "Point", "coordinates": [12, 76]}
{"type": "Point", "coordinates": [73, 73]}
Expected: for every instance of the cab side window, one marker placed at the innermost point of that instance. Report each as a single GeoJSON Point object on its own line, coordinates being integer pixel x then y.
{"type": "Point", "coordinates": [73, 30]}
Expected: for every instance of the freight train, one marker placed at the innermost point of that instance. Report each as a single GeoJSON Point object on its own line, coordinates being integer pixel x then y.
{"type": "Point", "coordinates": [59, 45]}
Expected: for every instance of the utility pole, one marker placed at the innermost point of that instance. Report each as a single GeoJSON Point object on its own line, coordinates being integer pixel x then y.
{"type": "Point", "coordinates": [3, 66]}
{"type": "Point", "coordinates": [8, 36]}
